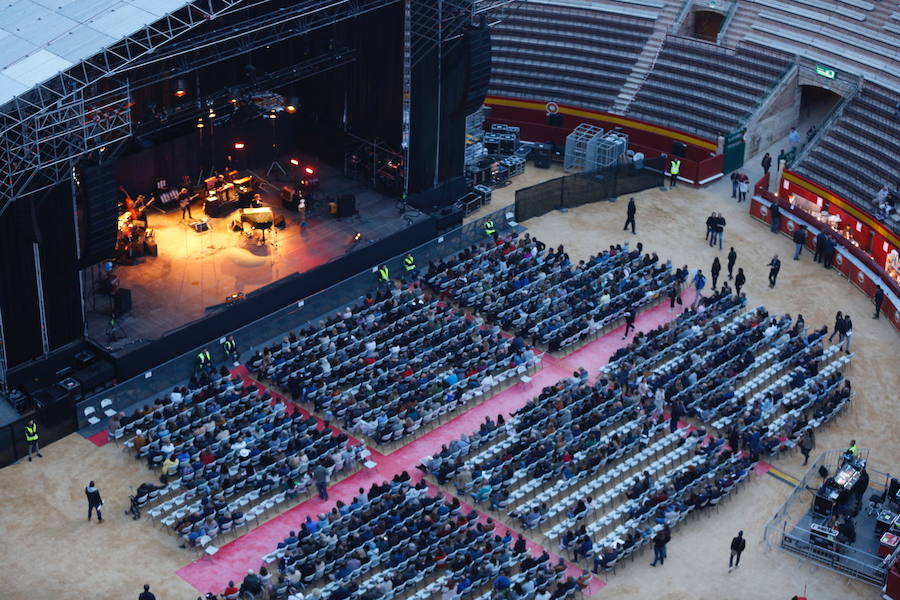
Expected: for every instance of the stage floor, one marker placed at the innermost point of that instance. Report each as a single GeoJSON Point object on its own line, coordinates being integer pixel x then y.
{"type": "Point", "coordinates": [194, 271]}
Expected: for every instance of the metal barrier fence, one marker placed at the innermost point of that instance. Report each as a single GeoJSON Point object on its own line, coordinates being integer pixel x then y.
{"type": "Point", "coordinates": [582, 188]}
{"type": "Point", "coordinates": [786, 531]}
{"type": "Point", "coordinates": [297, 314]}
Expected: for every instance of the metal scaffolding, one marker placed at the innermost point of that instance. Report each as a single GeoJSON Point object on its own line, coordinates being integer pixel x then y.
{"type": "Point", "coordinates": [577, 145]}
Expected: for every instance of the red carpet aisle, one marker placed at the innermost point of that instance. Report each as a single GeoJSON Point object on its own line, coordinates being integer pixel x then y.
{"type": "Point", "coordinates": [234, 558]}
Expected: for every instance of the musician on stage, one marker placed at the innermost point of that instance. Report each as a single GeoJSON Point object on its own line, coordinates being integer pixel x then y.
{"type": "Point", "coordinates": [184, 201]}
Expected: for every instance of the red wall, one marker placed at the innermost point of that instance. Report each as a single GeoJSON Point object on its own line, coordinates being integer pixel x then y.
{"type": "Point", "coordinates": [698, 165]}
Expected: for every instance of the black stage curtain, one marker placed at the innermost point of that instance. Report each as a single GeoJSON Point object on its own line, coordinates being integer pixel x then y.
{"type": "Point", "coordinates": [59, 268]}
{"type": "Point", "coordinates": [48, 220]}
{"type": "Point", "coordinates": [18, 289]}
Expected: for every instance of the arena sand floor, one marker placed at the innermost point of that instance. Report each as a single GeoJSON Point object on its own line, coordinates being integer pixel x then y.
{"type": "Point", "coordinates": [49, 549]}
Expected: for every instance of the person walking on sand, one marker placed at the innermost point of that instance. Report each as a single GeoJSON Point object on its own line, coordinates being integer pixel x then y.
{"type": "Point", "coordinates": [95, 502]}
{"type": "Point", "coordinates": [738, 544]}
{"type": "Point", "coordinates": [732, 258]}
{"type": "Point", "coordinates": [631, 211]}
{"type": "Point", "coordinates": [715, 270]}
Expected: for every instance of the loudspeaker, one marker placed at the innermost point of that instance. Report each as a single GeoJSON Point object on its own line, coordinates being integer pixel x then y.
{"type": "Point", "coordinates": [54, 405]}
{"type": "Point", "coordinates": [478, 69]}
{"type": "Point", "coordinates": [100, 204]}
{"type": "Point", "coordinates": [541, 155]}
{"type": "Point", "coordinates": [150, 247]}
{"type": "Point", "coordinates": [200, 226]}
{"type": "Point", "coordinates": [121, 302]}
{"type": "Point", "coordinates": [679, 148]}
{"type": "Point", "coordinates": [555, 120]}
{"type": "Point", "coordinates": [279, 222]}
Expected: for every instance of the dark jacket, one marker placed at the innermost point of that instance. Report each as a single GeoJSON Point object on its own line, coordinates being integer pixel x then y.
{"type": "Point", "coordinates": [93, 496]}
{"type": "Point", "coordinates": [738, 544]}
{"type": "Point", "coordinates": [800, 236]}
{"type": "Point", "coordinates": [631, 208]}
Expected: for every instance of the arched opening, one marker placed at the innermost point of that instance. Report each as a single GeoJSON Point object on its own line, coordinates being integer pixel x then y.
{"type": "Point", "coordinates": [707, 25]}
{"type": "Point", "coordinates": [816, 103]}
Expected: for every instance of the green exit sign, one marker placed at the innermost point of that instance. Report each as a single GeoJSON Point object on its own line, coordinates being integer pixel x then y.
{"type": "Point", "coordinates": [825, 71]}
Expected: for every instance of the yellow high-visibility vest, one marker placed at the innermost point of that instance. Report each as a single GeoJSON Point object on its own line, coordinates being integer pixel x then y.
{"type": "Point", "coordinates": [31, 434]}
{"type": "Point", "coordinates": [383, 272]}
{"type": "Point", "coordinates": [675, 167]}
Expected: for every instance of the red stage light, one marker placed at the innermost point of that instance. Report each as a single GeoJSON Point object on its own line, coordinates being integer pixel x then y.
{"type": "Point", "coordinates": [295, 162]}
{"type": "Point", "coordinates": [309, 170]}
{"type": "Point", "coordinates": [239, 145]}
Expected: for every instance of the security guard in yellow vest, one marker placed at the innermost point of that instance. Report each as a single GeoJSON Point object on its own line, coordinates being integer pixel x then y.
{"type": "Point", "coordinates": [674, 169]}
{"type": "Point", "coordinates": [230, 347]}
{"type": "Point", "coordinates": [204, 359]}
{"type": "Point", "coordinates": [853, 450]}
{"type": "Point", "coordinates": [31, 438]}
{"type": "Point", "coordinates": [409, 263]}
{"type": "Point", "coordinates": [384, 275]}
{"type": "Point", "coordinates": [489, 229]}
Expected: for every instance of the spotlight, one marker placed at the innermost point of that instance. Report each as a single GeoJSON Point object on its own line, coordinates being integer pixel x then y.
{"type": "Point", "coordinates": [200, 123]}
{"type": "Point", "coordinates": [273, 114]}
{"type": "Point", "coordinates": [309, 170]}
{"type": "Point", "coordinates": [295, 162]}
{"type": "Point", "coordinates": [239, 145]}
{"type": "Point", "coordinates": [356, 237]}
{"type": "Point", "coordinates": [233, 101]}
{"type": "Point", "coordinates": [212, 113]}
{"type": "Point", "coordinates": [292, 104]}
{"type": "Point", "coordinates": [180, 88]}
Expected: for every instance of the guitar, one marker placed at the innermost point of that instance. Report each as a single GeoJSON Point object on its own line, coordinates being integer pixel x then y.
{"type": "Point", "coordinates": [136, 208]}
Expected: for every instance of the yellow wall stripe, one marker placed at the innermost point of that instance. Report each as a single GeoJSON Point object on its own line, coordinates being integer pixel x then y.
{"type": "Point", "coordinates": [602, 116]}
{"type": "Point", "coordinates": [843, 205]}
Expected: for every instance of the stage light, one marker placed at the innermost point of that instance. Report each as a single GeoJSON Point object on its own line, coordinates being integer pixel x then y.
{"type": "Point", "coordinates": [295, 162]}
{"type": "Point", "coordinates": [199, 124]}
{"type": "Point", "coordinates": [239, 145]}
{"type": "Point", "coordinates": [212, 114]}
{"type": "Point", "coordinates": [309, 170]}
{"type": "Point", "coordinates": [292, 104]}
{"type": "Point", "coordinates": [357, 237]}
{"type": "Point", "coordinates": [180, 88]}
{"type": "Point", "coordinates": [233, 101]}
{"type": "Point", "coordinates": [273, 114]}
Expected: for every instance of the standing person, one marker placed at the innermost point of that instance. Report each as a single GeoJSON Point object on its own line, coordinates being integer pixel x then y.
{"type": "Point", "coordinates": [838, 325]}
{"type": "Point", "coordinates": [146, 594]}
{"type": "Point", "coordinates": [739, 281]}
{"type": "Point", "coordinates": [732, 258]}
{"type": "Point", "coordinates": [660, 540]}
{"type": "Point", "coordinates": [719, 229]}
{"type": "Point", "coordinates": [799, 241]}
{"type": "Point", "coordinates": [848, 332]}
{"type": "Point", "coordinates": [31, 438]}
{"type": "Point", "coordinates": [699, 284]}
{"type": "Point", "coordinates": [709, 227]}
{"type": "Point", "coordinates": [675, 415]}
{"type": "Point", "coordinates": [743, 188]}
{"type": "Point", "coordinates": [674, 294]}
{"type": "Point", "coordinates": [632, 209]}
{"type": "Point", "coordinates": [735, 178]}
{"type": "Point", "coordinates": [95, 502]}
{"type": "Point", "coordinates": [774, 267]}
{"type": "Point", "coordinates": [320, 474]}
{"type": "Point", "coordinates": [807, 443]}
{"type": "Point", "coordinates": [794, 138]}
{"type": "Point", "coordinates": [820, 246]}
{"type": "Point", "coordinates": [828, 253]}
{"type": "Point", "coordinates": [766, 163]}
{"type": "Point", "coordinates": [715, 270]}
{"type": "Point", "coordinates": [738, 544]}
{"type": "Point", "coordinates": [674, 169]}
{"type": "Point", "coordinates": [775, 227]}
{"type": "Point", "coordinates": [879, 300]}
{"type": "Point", "coordinates": [629, 322]}
{"type": "Point", "coordinates": [229, 346]}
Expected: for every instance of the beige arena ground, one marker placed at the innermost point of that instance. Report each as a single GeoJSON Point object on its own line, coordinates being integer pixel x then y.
{"type": "Point", "coordinates": [49, 550]}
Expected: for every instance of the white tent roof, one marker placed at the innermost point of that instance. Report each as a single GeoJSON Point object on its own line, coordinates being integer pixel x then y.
{"type": "Point", "coordinates": [40, 38]}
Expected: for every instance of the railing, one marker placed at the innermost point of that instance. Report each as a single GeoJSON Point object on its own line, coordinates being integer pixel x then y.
{"type": "Point", "coordinates": [682, 15]}
{"type": "Point", "coordinates": [271, 328]}
{"type": "Point", "coordinates": [723, 28]}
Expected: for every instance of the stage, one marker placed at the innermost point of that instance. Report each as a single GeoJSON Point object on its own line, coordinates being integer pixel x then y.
{"type": "Point", "coordinates": [195, 272]}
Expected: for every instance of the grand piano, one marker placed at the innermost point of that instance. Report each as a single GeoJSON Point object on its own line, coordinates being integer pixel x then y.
{"type": "Point", "coordinates": [260, 218]}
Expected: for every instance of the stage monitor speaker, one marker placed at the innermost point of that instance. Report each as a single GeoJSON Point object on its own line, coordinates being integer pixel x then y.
{"type": "Point", "coordinates": [279, 222]}
{"type": "Point", "coordinates": [555, 120]}
{"type": "Point", "coordinates": [200, 226]}
{"type": "Point", "coordinates": [150, 247]}
{"type": "Point", "coordinates": [54, 405]}
{"type": "Point", "coordinates": [478, 69]}
{"type": "Point", "coordinates": [346, 205]}
{"type": "Point", "coordinates": [121, 302]}
{"type": "Point", "coordinates": [100, 204]}
{"type": "Point", "coordinates": [541, 155]}
{"type": "Point", "coordinates": [679, 148]}
{"type": "Point", "coordinates": [95, 376]}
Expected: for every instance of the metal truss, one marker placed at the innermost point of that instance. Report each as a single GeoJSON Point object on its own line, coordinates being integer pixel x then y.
{"type": "Point", "coordinates": [221, 99]}
{"type": "Point", "coordinates": [86, 109]}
